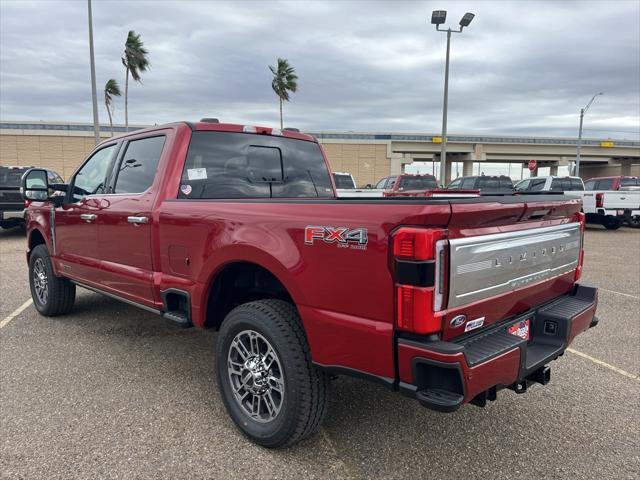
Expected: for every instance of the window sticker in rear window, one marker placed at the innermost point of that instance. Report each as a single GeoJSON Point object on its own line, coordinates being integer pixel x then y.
{"type": "Point", "coordinates": [197, 173]}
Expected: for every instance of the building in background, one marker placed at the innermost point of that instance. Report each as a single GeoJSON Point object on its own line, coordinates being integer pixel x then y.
{"type": "Point", "coordinates": [368, 157]}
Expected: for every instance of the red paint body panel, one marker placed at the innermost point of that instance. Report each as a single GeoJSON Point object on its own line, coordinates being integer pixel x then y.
{"type": "Point", "coordinates": [501, 370]}
{"type": "Point", "coordinates": [345, 296]}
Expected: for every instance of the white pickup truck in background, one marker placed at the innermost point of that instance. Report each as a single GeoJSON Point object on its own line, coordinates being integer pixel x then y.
{"type": "Point", "coordinates": [346, 187]}
{"type": "Point", "coordinates": [611, 209]}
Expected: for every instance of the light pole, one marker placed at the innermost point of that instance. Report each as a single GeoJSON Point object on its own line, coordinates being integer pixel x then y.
{"type": "Point", "coordinates": [94, 94]}
{"type": "Point", "coordinates": [438, 17]}
{"type": "Point", "coordinates": [582, 112]}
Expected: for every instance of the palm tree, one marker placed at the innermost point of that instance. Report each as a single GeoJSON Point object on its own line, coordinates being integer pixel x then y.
{"type": "Point", "coordinates": [111, 89]}
{"type": "Point", "coordinates": [135, 60]}
{"type": "Point", "coordinates": [284, 81]}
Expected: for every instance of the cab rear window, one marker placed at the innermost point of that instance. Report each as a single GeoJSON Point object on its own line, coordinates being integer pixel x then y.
{"type": "Point", "coordinates": [418, 183]}
{"type": "Point", "coordinates": [10, 177]}
{"type": "Point", "coordinates": [240, 165]}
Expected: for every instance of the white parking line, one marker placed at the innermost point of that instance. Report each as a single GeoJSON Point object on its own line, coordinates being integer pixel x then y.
{"type": "Point", "coordinates": [604, 364]}
{"type": "Point", "coordinates": [619, 293]}
{"type": "Point", "coordinates": [5, 321]}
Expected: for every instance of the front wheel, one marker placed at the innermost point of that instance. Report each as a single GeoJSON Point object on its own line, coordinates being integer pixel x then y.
{"type": "Point", "coordinates": [268, 384]}
{"type": "Point", "coordinates": [51, 295]}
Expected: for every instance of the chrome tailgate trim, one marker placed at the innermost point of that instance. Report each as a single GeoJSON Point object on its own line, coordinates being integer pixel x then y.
{"type": "Point", "coordinates": [484, 266]}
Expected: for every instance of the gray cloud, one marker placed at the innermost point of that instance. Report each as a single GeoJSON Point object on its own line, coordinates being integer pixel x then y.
{"type": "Point", "coordinates": [520, 68]}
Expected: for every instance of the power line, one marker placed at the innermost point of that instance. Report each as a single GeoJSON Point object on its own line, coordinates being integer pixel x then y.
{"type": "Point", "coordinates": [612, 131]}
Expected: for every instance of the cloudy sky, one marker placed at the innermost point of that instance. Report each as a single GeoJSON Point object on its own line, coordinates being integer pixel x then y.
{"type": "Point", "coordinates": [520, 68]}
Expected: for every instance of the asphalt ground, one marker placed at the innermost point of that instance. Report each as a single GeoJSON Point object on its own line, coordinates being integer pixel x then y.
{"type": "Point", "coordinates": [111, 391]}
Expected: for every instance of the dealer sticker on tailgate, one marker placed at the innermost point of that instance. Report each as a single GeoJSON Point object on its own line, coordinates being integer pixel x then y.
{"type": "Point", "coordinates": [520, 329]}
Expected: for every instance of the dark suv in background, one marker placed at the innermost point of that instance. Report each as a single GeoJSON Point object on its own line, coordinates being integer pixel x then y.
{"type": "Point", "coordinates": [11, 204]}
{"type": "Point", "coordinates": [484, 183]}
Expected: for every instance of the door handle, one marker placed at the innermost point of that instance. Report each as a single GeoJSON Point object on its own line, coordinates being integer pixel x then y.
{"type": "Point", "coordinates": [88, 217]}
{"type": "Point", "coordinates": [138, 219]}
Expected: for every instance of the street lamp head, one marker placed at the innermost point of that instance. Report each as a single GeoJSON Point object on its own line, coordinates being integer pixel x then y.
{"type": "Point", "coordinates": [466, 20]}
{"type": "Point", "coordinates": [438, 17]}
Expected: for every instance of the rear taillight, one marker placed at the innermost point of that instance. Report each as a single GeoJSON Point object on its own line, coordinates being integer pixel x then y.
{"type": "Point", "coordinates": [417, 269]}
{"type": "Point", "coordinates": [582, 219]}
{"type": "Point", "coordinates": [599, 200]}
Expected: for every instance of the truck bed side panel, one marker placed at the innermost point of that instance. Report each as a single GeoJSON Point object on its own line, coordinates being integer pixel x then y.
{"type": "Point", "coordinates": [345, 294]}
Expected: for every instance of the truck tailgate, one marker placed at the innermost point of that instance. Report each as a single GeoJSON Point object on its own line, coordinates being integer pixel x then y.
{"type": "Point", "coordinates": [508, 256]}
{"type": "Point", "coordinates": [489, 265]}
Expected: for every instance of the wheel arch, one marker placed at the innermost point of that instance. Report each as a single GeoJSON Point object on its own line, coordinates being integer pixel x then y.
{"type": "Point", "coordinates": [36, 237]}
{"type": "Point", "coordinates": [240, 281]}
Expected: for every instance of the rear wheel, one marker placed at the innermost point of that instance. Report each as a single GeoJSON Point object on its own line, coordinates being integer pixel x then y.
{"type": "Point", "coordinates": [268, 384]}
{"type": "Point", "coordinates": [611, 223]}
{"type": "Point", "coordinates": [634, 221]}
{"type": "Point", "coordinates": [51, 295]}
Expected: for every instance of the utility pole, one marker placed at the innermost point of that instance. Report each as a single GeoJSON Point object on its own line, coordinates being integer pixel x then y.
{"type": "Point", "coordinates": [579, 146]}
{"type": "Point", "coordinates": [94, 93]}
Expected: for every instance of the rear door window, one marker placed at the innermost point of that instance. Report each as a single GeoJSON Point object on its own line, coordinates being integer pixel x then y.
{"type": "Point", "coordinates": [505, 182]}
{"type": "Point", "coordinates": [240, 165]}
{"type": "Point", "coordinates": [537, 185]}
{"type": "Point", "coordinates": [605, 184]}
{"type": "Point", "coordinates": [629, 182]}
{"type": "Point", "coordinates": [468, 184]}
{"type": "Point", "coordinates": [138, 165]}
{"type": "Point", "coordinates": [488, 183]}
{"type": "Point", "coordinates": [558, 185]}
{"type": "Point", "coordinates": [590, 185]}
{"type": "Point", "coordinates": [576, 184]}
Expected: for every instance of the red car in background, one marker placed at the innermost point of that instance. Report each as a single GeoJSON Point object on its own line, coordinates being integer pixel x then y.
{"type": "Point", "coordinates": [612, 183]}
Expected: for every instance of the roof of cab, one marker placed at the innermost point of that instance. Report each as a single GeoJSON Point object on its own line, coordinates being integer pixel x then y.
{"type": "Point", "coordinates": [221, 127]}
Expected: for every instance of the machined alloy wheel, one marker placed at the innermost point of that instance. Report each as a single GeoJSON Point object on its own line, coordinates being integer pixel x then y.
{"type": "Point", "coordinates": [256, 376]}
{"type": "Point", "coordinates": [40, 281]}
{"type": "Point", "coordinates": [52, 295]}
{"type": "Point", "coordinates": [267, 380]}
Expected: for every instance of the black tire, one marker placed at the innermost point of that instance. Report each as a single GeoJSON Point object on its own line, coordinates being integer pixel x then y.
{"type": "Point", "coordinates": [634, 222]}
{"type": "Point", "coordinates": [61, 293]}
{"type": "Point", "coordinates": [611, 223]}
{"type": "Point", "coordinates": [305, 399]}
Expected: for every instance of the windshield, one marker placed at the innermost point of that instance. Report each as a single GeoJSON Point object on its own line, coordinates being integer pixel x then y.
{"type": "Point", "coordinates": [343, 181]}
{"type": "Point", "coordinates": [10, 177]}
{"type": "Point", "coordinates": [418, 183]}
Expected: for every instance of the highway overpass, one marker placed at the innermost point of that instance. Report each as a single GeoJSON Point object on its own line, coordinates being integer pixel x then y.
{"type": "Point", "coordinates": [368, 156]}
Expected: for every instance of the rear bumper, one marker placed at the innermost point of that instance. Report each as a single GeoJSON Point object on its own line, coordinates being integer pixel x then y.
{"type": "Point", "coordinates": [445, 375]}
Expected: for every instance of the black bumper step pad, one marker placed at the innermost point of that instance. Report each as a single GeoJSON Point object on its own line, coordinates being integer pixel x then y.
{"type": "Point", "coordinates": [565, 307]}
{"type": "Point", "coordinates": [481, 348]}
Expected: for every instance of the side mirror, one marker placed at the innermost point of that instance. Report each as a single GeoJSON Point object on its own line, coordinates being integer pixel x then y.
{"type": "Point", "coordinates": [35, 185]}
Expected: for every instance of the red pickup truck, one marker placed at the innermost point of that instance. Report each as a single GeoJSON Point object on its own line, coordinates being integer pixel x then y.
{"type": "Point", "coordinates": [237, 228]}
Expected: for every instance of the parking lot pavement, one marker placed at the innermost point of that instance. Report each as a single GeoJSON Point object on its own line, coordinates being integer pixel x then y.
{"type": "Point", "coordinates": [112, 392]}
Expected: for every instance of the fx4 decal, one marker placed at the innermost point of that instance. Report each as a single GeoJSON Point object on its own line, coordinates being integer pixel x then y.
{"type": "Point", "coordinates": [343, 237]}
